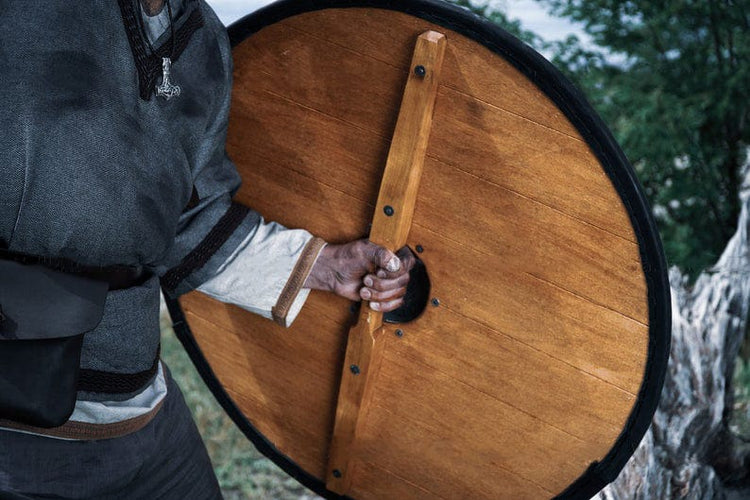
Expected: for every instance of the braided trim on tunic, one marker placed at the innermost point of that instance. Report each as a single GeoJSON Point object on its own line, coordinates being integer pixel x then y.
{"type": "Point", "coordinates": [116, 383]}
{"type": "Point", "coordinates": [218, 235]}
{"type": "Point", "coordinates": [149, 64]}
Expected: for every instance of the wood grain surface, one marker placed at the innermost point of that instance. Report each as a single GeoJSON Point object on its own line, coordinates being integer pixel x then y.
{"type": "Point", "coordinates": [527, 370]}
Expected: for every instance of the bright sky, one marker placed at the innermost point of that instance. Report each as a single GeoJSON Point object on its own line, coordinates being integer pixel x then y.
{"type": "Point", "coordinates": [533, 16]}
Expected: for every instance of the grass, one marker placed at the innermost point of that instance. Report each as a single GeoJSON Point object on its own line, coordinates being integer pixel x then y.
{"type": "Point", "coordinates": [740, 423]}
{"type": "Point", "coordinates": [242, 471]}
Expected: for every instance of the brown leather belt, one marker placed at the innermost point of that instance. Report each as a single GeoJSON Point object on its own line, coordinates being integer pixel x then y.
{"type": "Point", "coordinates": [118, 277]}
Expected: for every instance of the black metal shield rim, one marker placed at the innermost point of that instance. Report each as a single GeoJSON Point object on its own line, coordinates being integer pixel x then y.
{"type": "Point", "coordinates": [596, 134]}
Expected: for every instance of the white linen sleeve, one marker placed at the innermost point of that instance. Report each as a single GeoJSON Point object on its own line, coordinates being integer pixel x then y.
{"type": "Point", "coordinates": [265, 273]}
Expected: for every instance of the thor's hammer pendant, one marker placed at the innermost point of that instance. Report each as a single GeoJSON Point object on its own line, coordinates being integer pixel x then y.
{"type": "Point", "coordinates": [166, 88]}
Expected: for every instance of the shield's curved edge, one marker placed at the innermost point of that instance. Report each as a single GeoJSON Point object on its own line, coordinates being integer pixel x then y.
{"type": "Point", "coordinates": [267, 448]}
{"type": "Point", "coordinates": [596, 134]}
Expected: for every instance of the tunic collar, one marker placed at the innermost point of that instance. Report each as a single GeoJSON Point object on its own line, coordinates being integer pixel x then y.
{"type": "Point", "coordinates": [148, 63]}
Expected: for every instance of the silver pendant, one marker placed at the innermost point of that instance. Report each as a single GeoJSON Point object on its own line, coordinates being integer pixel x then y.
{"type": "Point", "coordinates": [166, 88]}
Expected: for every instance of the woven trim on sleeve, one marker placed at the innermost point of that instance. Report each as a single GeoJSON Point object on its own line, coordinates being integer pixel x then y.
{"type": "Point", "coordinates": [218, 235]}
{"type": "Point", "coordinates": [296, 280]}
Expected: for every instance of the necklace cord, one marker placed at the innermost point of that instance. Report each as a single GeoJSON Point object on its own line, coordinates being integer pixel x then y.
{"type": "Point", "coordinates": [148, 65]}
{"type": "Point", "coordinates": [144, 32]}
{"type": "Point", "coordinates": [171, 30]}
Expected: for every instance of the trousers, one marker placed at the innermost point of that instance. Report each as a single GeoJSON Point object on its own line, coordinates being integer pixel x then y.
{"type": "Point", "coordinates": [166, 460]}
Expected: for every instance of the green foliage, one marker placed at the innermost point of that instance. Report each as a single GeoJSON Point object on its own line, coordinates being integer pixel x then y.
{"type": "Point", "coordinates": [740, 419]}
{"type": "Point", "coordinates": [677, 100]}
{"type": "Point", "coordinates": [485, 9]}
{"type": "Point", "coordinates": [672, 80]}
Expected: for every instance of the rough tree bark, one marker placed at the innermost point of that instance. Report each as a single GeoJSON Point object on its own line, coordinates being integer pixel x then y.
{"type": "Point", "coordinates": [689, 451]}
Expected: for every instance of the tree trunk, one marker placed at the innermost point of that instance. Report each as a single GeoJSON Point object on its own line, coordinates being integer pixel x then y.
{"type": "Point", "coordinates": [690, 451]}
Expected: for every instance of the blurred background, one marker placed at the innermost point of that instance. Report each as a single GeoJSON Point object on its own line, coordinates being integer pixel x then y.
{"type": "Point", "coordinates": [671, 79]}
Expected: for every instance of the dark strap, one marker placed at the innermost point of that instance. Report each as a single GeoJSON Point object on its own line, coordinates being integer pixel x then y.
{"type": "Point", "coordinates": [117, 277]}
{"type": "Point", "coordinates": [116, 383]}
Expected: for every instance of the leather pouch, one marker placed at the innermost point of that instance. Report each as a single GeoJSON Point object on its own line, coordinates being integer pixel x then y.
{"type": "Point", "coordinates": [44, 315]}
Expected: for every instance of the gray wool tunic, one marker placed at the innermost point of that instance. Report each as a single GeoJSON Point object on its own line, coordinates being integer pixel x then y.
{"type": "Point", "coordinates": [95, 168]}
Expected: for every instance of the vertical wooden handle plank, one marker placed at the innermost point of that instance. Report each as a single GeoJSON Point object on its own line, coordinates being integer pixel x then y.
{"type": "Point", "coordinates": [403, 169]}
{"type": "Point", "coordinates": [390, 228]}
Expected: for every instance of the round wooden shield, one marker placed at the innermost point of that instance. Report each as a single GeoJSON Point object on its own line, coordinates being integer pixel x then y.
{"type": "Point", "coordinates": [536, 365]}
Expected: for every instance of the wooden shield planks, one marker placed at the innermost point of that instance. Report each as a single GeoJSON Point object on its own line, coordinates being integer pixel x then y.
{"type": "Point", "coordinates": [547, 349]}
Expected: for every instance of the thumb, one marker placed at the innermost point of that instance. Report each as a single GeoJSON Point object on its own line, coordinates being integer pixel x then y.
{"type": "Point", "coordinates": [384, 258]}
